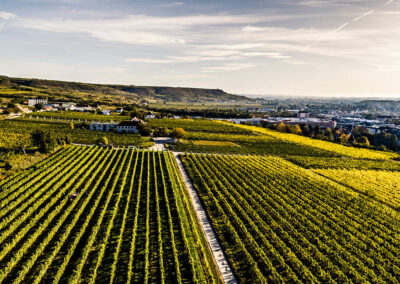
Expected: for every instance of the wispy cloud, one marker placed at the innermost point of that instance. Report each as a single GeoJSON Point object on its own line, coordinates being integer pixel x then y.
{"type": "Point", "coordinates": [172, 4]}
{"type": "Point", "coordinates": [7, 15]}
{"type": "Point", "coordinates": [227, 67]}
{"type": "Point", "coordinates": [325, 3]}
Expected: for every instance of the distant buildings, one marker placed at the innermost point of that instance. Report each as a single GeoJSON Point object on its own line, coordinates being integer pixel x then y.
{"type": "Point", "coordinates": [307, 121]}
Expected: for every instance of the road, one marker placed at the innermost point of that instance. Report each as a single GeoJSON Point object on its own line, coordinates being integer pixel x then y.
{"type": "Point", "coordinates": [211, 237]}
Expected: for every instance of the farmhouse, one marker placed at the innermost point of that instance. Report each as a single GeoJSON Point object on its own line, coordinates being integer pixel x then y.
{"type": "Point", "coordinates": [149, 115]}
{"type": "Point", "coordinates": [122, 127]}
{"type": "Point", "coordinates": [103, 126]}
{"type": "Point", "coordinates": [128, 127]}
{"type": "Point", "coordinates": [33, 102]}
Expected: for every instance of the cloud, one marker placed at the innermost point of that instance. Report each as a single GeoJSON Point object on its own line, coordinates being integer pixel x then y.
{"type": "Point", "coordinates": [7, 15]}
{"type": "Point", "coordinates": [175, 59]}
{"type": "Point", "coordinates": [227, 67]}
{"type": "Point", "coordinates": [136, 29]}
{"type": "Point", "coordinates": [325, 3]}
{"type": "Point", "coordinates": [173, 4]}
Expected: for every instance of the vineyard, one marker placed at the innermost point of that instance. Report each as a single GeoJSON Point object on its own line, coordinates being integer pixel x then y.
{"type": "Point", "coordinates": [16, 132]}
{"type": "Point", "coordinates": [278, 222]}
{"type": "Point", "coordinates": [319, 144]}
{"type": "Point", "coordinates": [344, 163]}
{"type": "Point", "coordinates": [89, 214]}
{"type": "Point", "coordinates": [199, 125]}
{"type": "Point", "coordinates": [76, 116]}
{"type": "Point", "coordinates": [383, 186]}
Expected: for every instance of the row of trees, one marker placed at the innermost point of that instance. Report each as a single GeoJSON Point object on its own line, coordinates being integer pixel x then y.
{"type": "Point", "coordinates": [46, 142]}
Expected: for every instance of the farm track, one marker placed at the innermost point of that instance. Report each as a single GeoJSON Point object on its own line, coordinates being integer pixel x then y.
{"type": "Point", "coordinates": [223, 264]}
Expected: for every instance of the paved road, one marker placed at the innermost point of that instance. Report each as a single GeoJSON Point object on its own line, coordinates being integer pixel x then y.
{"type": "Point", "coordinates": [216, 249]}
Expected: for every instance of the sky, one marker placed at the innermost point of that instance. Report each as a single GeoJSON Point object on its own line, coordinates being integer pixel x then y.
{"type": "Point", "coordinates": [265, 47]}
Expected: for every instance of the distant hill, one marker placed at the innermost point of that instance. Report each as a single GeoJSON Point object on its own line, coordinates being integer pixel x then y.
{"type": "Point", "coordinates": [108, 94]}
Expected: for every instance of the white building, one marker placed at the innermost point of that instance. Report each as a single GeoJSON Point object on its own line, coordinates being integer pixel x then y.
{"type": "Point", "coordinates": [33, 102]}
{"type": "Point", "coordinates": [149, 115]}
{"type": "Point", "coordinates": [103, 127]}
{"type": "Point", "coordinates": [122, 127]}
{"type": "Point", "coordinates": [128, 127]}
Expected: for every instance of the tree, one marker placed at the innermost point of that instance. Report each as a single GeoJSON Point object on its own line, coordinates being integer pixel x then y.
{"type": "Point", "coordinates": [362, 141]}
{"type": "Point", "coordinates": [71, 125]}
{"type": "Point", "coordinates": [38, 107]}
{"type": "Point", "coordinates": [161, 132]}
{"type": "Point", "coordinates": [317, 130]}
{"type": "Point", "coordinates": [44, 141]}
{"type": "Point", "coordinates": [144, 129]}
{"type": "Point", "coordinates": [360, 131]}
{"type": "Point", "coordinates": [344, 138]}
{"type": "Point", "coordinates": [281, 127]}
{"type": "Point", "coordinates": [60, 141]}
{"type": "Point", "coordinates": [68, 140]}
{"type": "Point", "coordinates": [295, 129]}
{"type": "Point", "coordinates": [393, 142]}
{"type": "Point", "coordinates": [328, 133]}
{"type": "Point", "coordinates": [178, 133]}
{"type": "Point", "coordinates": [137, 113]}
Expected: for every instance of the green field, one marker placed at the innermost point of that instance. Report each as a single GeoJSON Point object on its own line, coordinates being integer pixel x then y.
{"type": "Point", "coordinates": [76, 116]}
{"type": "Point", "coordinates": [285, 208]}
{"type": "Point", "coordinates": [280, 223]}
{"type": "Point", "coordinates": [131, 221]}
{"type": "Point", "coordinates": [23, 128]}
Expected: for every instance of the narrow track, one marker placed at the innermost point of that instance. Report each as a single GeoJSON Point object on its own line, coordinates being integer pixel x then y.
{"type": "Point", "coordinates": [215, 246]}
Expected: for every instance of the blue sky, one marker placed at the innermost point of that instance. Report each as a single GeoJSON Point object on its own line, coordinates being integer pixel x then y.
{"type": "Point", "coordinates": [294, 47]}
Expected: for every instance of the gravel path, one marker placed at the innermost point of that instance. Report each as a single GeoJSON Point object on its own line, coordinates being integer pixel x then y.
{"type": "Point", "coordinates": [216, 249]}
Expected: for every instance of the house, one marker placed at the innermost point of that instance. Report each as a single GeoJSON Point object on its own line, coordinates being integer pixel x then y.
{"type": "Point", "coordinates": [106, 112]}
{"type": "Point", "coordinates": [103, 127]}
{"type": "Point", "coordinates": [119, 110]}
{"type": "Point", "coordinates": [24, 109]}
{"type": "Point", "coordinates": [149, 115]}
{"type": "Point", "coordinates": [33, 102]}
{"type": "Point", "coordinates": [128, 127]}
{"type": "Point", "coordinates": [122, 127]}
{"type": "Point", "coordinates": [83, 108]}
{"type": "Point", "coordinates": [303, 114]}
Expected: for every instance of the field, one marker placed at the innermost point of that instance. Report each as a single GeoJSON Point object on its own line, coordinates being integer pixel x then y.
{"type": "Point", "coordinates": [344, 163]}
{"type": "Point", "coordinates": [201, 125]}
{"type": "Point", "coordinates": [249, 143]}
{"type": "Point", "coordinates": [17, 132]}
{"type": "Point", "coordinates": [130, 221]}
{"type": "Point", "coordinates": [278, 222]}
{"type": "Point", "coordinates": [77, 116]}
{"type": "Point", "coordinates": [319, 144]}
{"type": "Point", "coordinates": [380, 185]}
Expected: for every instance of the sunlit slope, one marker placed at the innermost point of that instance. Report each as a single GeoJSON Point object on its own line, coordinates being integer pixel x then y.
{"type": "Point", "coordinates": [323, 145]}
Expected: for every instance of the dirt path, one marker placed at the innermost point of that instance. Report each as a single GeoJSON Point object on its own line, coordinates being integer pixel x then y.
{"type": "Point", "coordinates": [212, 240]}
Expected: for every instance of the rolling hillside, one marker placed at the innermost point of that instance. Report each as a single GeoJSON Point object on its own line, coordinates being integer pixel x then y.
{"type": "Point", "coordinates": [107, 94]}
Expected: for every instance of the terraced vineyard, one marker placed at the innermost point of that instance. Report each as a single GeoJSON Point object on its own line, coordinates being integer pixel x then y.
{"type": "Point", "coordinates": [90, 214]}
{"type": "Point", "coordinates": [279, 222]}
